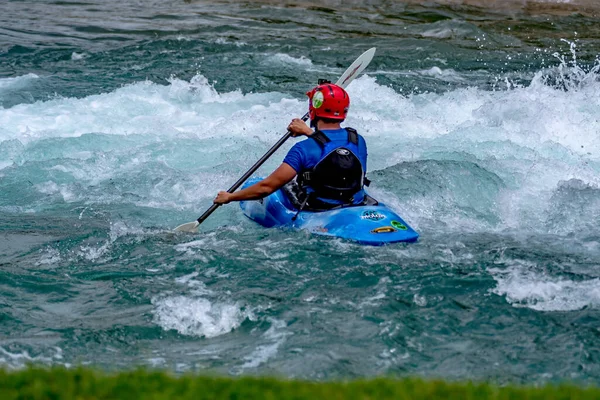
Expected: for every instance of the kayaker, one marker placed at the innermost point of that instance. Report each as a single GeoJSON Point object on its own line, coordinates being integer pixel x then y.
{"type": "Point", "coordinates": [330, 166]}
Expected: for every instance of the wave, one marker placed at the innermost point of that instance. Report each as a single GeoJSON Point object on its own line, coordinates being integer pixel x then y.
{"type": "Point", "coordinates": [527, 286]}
{"type": "Point", "coordinates": [22, 359]}
{"type": "Point", "coordinates": [286, 59]}
{"type": "Point", "coordinates": [140, 108]}
{"type": "Point", "coordinates": [195, 314]}
{"type": "Point", "coordinates": [16, 83]}
{"type": "Point", "coordinates": [470, 158]}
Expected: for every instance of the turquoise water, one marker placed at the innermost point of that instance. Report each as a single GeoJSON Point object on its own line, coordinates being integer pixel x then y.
{"type": "Point", "coordinates": [121, 120]}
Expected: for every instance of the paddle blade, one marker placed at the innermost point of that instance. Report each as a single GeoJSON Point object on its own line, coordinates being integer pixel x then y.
{"type": "Point", "coordinates": [356, 68]}
{"type": "Point", "coordinates": [352, 72]}
{"type": "Point", "coordinates": [190, 227]}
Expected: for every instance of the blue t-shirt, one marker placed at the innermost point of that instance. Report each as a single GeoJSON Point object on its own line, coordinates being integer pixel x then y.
{"type": "Point", "coordinates": [307, 153]}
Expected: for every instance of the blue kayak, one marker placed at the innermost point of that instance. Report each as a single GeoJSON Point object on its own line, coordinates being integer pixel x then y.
{"type": "Point", "coordinates": [370, 224]}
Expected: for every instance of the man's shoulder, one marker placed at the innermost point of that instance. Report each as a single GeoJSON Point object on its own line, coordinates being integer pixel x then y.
{"type": "Point", "coordinates": [342, 134]}
{"type": "Point", "coordinates": [305, 145]}
{"type": "Point", "coordinates": [361, 138]}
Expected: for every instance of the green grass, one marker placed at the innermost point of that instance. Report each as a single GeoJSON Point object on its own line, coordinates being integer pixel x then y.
{"type": "Point", "coordinates": [82, 383]}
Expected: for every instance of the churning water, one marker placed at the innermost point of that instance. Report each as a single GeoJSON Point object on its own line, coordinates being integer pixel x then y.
{"type": "Point", "coordinates": [122, 120]}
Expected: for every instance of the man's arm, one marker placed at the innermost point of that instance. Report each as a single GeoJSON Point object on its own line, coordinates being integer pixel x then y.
{"type": "Point", "coordinates": [282, 175]}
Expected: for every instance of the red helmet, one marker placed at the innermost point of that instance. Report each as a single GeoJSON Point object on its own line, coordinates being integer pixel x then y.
{"type": "Point", "coordinates": [328, 101]}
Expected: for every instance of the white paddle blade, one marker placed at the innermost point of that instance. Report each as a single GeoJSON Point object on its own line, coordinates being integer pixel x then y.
{"type": "Point", "coordinates": [348, 76]}
{"type": "Point", "coordinates": [356, 68]}
{"type": "Point", "coordinates": [190, 227]}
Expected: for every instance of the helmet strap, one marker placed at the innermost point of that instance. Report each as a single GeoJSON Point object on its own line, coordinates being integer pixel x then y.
{"type": "Point", "coordinates": [313, 122]}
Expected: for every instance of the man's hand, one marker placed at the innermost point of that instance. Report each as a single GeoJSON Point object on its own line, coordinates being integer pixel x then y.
{"type": "Point", "coordinates": [222, 198]}
{"type": "Point", "coordinates": [299, 128]}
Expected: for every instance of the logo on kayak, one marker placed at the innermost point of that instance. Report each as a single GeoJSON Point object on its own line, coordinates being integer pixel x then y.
{"type": "Point", "coordinates": [399, 225]}
{"type": "Point", "coordinates": [383, 229]}
{"type": "Point", "coordinates": [317, 100]}
{"type": "Point", "coordinates": [372, 216]}
{"type": "Point", "coordinates": [342, 152]}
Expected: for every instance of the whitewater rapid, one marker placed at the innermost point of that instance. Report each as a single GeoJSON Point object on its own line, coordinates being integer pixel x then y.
{"type": "Point", "coordinates": [515, 158]}
{"type": "Point", "coordinates": [466, 168]}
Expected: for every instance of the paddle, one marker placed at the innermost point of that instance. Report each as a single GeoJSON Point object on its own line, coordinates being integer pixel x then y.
{"type": "Point", "coordinates": [348, 76]}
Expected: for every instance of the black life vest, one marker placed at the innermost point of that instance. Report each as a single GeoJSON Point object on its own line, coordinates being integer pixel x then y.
{"type": "Point", "coordinates": [339, 174]}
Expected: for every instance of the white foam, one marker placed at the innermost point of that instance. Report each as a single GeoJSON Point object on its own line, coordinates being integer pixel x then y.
{"type": "Point", "coordinates": [17, 82]}
{"type": "Point", "coordinates": [448, 74]}
{"type": "Point", "coordinates": [449, 29]}
{"type": "Point", "coordinates": [533, 137]}
{"type": "Point", "coordinates": [142, 108]}
{"type": "Point", "coordinates": [20, 360]}
{"type": "Point", "coordinates": [421, 301]}
{"type": "Point", "coordinates": [281, 58]}
{"type": "Point", "coordinates": [381, 289]}
{"type": "Point", "coordinates": [117, 230]}
{"type": "Point", "coordinates": [526, 285]}
{"type": "Point", "coordinates": [198, 287]}
{"type": "Point", "coordinates": [237, 43]}
{"type": "Point", "coordinates": [275, 336]}
{"type": "Point", "coordinates": [52, 188]}
{"type": "Point", "coordinates": [93, 253]}
{"type": "Point", "coordinates": [49, 257]}
{"type": "Point", "coordinates": [78, 56]}
{"type": "Point", "coordinates": [157, 362]}
{"type": "Point", "coordinates": [186, 278]}
{"type": "Point", "coordinates": [197, 316]}
{"type": "Point", "coordinates": [195, 248]}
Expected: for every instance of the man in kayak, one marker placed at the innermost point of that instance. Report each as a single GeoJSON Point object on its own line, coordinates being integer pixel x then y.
{"type": "Point", "coordinates": [330, 167]}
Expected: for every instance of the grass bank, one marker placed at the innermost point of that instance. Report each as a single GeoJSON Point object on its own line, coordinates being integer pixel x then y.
{"type": "Point", "coordinates": [81, 383]}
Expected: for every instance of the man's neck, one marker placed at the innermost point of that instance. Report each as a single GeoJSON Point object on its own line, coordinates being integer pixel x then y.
{"type": "Point", "coordinates": [322, 126]}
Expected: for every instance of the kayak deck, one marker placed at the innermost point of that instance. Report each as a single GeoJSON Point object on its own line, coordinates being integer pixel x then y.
{"type": "Point", "coordinates": [372, 224]}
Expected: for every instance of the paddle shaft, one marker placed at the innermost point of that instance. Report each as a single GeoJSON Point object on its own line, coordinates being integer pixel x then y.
{"type": "Point", "coordinates": [252, 170]}
{"type": "Point", "coordinates": [348, 76]}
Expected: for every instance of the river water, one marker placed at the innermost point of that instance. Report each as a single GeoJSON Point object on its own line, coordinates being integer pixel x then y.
{"type": "Point", "coordinates": [121, 120]}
